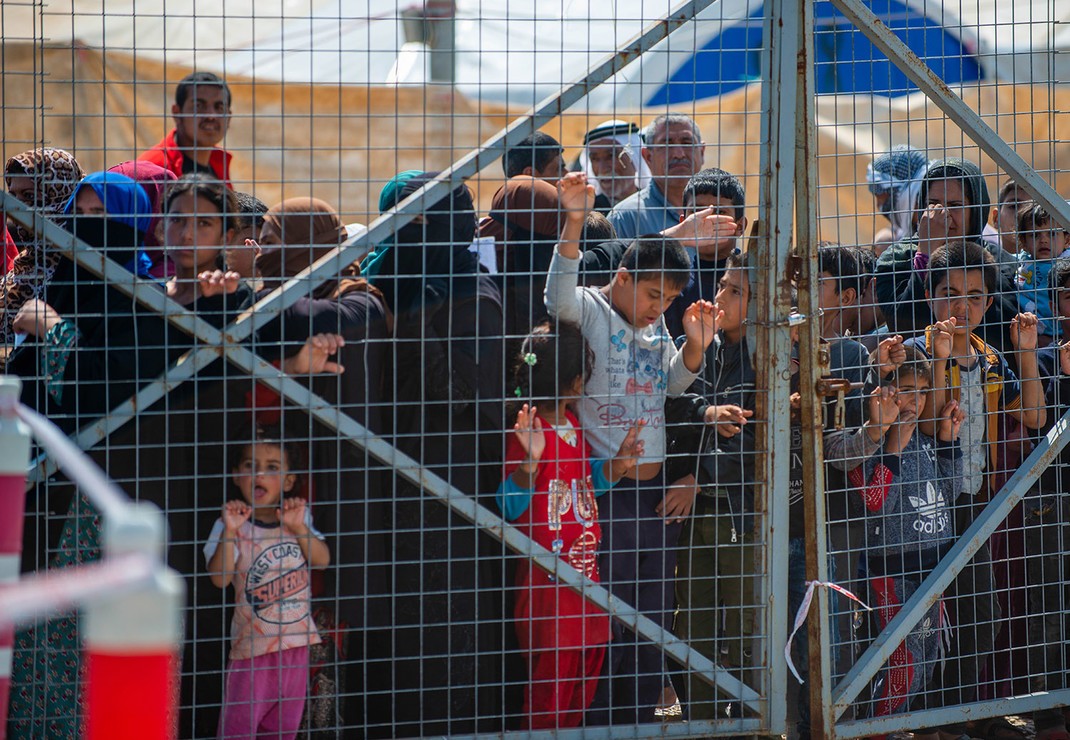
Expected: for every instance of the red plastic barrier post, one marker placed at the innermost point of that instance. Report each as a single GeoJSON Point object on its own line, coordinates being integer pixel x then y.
{"type": "Point", "coordinates": [132, 642]}
{"type": "Point", "coordinates": [14, 457]}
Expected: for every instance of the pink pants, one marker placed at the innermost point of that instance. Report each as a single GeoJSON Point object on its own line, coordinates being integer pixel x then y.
{"type": "Point", "coordinates": [265, 696]}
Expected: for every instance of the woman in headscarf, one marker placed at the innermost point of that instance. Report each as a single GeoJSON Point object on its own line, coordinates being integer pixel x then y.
{"type": "Point", "coordinates": [953, 203]}
{"type": "Point", "coordinates": [85, 353]}
{"type": "Point", "coordinates": [446, 398]}
{"type": "Point", "coordinates": [155, 180]}
{"type": "Point", "coordinates": [525, 220]}
{"type": "Point", "coordinates": [43, 179]}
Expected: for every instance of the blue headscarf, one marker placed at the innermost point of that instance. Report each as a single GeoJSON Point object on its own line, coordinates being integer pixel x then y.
{"type": "Point", "coordinates": [124, 199]}
{"type": "Point", "coordinates": [125, 202]}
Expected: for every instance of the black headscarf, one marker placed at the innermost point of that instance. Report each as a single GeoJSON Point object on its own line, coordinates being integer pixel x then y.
{"type": "Point", "coordinates": [974, 188]}
{"type": "Point", "coordinates": [430, 262]}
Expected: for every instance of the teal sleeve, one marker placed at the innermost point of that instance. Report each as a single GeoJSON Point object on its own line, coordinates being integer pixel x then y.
{"type": "Point", "coordinates": [512, 499]}
{"type": "Point", "coordinates": [598, 477]}
{"type": "Point", "coordinates": [58, 345]}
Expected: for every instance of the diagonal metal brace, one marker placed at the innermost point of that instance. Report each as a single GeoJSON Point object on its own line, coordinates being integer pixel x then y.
{"type": "Point", "coordinates": [934, 585]}
{"type": "Point", "coordinates": [955, 108]}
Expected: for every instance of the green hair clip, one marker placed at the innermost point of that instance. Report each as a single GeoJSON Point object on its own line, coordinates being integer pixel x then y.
{"type": "Point", "coordinates": [531, 359]}
{"type": "Point", "coordinates": [518, 392]}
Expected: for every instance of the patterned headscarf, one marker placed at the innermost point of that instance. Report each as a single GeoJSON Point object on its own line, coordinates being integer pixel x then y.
{"type": "Point", "coordinates": [56, 173]}
{"type": "Point", "coordinates": [898, 172]}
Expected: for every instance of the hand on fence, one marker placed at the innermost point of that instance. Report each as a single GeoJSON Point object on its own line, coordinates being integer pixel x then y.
{"type": "Point", "coordinates": [35, 318]}
{"type": "Point", "coordinates": [942, 337]}
{"type": "Point", "coordinates": [1064, 357]}
{"type": "Point", "coordinates": [890, 355]}
{"type": "Point", "coordinates": [705, 227]}
{"type": "Point", "coordinates": [934, 227]}
{"type": "Point", "coordinates": [701, 321]}
{"type": "Point", "coordinates": [728, 419]}
{"type": "Point", "coordinates": [883, 410]}
{"type": "Point", "coordinates": [528, 431]}
{"type": "Point", "coordinates": [575, 195]}
{"type": "Point", "coordinates": [313, 358]}
{"type": "Point", "coordinates": [951, 418]}
{"type": "Point", "coordinates": [235, 514]}
{"type": "Point", "coordinates": [679, 500]}
{"type": "Point", "coordinates": [1024, 332]}
{"type": "Point", "coordinates": [292, 515]}
{"type": "Point", "coordinates": [217, 282]}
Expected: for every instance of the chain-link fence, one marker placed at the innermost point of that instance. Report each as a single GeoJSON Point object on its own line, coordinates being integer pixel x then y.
{"type": "Point", "coordinates": [451, 442]}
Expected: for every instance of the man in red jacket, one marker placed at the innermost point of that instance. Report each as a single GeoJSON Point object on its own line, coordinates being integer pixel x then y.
{"type": "Point", "coordinates": [202, 117]}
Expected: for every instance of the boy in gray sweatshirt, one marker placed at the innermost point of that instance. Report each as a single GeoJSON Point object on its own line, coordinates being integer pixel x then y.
{"type": "Point", "coordinates": [907, 489]}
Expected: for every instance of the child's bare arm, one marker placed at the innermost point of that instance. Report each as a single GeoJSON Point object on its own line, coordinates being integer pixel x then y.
{"type": "Point", "coordinates": [942, 336]}
{"type": "Point", "coordinates": [1033, 412]}
{"type": "Point", "coordinates": [701, 321]}
{"type": "Point", "coordinates": [577, 199]}
{"type": "Point", "coordinates": [221, 564]}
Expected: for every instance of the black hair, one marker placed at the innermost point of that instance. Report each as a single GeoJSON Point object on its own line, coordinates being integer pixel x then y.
{"type": "Point", "coordinates": [1057, 280]}
{"type": "Point", "coordinates": [212, 190]}
{"type": "Point", "coordinates": [596, 229]}
{"type": "Point", "coordinates": [655, 257]}
{"type": "Point", "coordinates": [533, 151]}
{"type": "Point", "coordinates": [715, 182]}
{"type": "Point", "coordinates": [842, 263]}
{"type": "Point", "coordinates": [1005, 190]}
{"type": "Point", "coordinates": [916, 365]}
{"type": "Point", "coordinates": [251, 211]}
{"type": "Point", "coordinates": [1030, 218]}
{"type": "Point", "coordinates": [867, 262]}
{"type": "Point", "coordinates": [198, 79]}
{"type": "Point", "coordinates": [550, 360]}
{"type": "Point", "coordinates": [737, 260]}
{"type": "Point", "coordinates": [248, 436]}
{"type": "Point", "coordinates": [962, 254]}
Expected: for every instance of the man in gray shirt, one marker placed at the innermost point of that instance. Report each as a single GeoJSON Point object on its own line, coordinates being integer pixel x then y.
{"type": "Point", "coordinates": [674, 151]}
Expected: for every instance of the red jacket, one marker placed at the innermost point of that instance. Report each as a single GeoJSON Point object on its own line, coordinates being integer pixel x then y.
{"type": "Point", "coordinates": [166, 154]}
{"type": "Point", "coordinates": [10, 251]}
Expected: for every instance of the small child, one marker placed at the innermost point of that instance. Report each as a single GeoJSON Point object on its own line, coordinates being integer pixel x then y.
{"type": "Point", "coordinates": [264, 545]}
{"type": "Point", "coordinates": [907, 489]}
{"type": "Point", "coordinates": [637, 366]}
{"type": "Point", "coordinates": [549, 491]}
{"type": "Point", "coordinates": [1037, 249]}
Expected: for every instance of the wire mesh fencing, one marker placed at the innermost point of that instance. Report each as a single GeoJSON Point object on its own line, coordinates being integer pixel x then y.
{"type": "Point", "coordinates": [500, 372]}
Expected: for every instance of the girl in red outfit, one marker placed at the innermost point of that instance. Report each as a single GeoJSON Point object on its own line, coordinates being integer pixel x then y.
{"type": "Point", "coordinates": [549, 492]}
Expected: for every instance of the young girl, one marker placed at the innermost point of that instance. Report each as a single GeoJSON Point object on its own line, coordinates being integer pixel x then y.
{"type": "Point", "coordinates": [549, 492]}
{"type": "Point", "coordinates": [199, 220]}
{"type": "Point", "coordinates": [264, 545]}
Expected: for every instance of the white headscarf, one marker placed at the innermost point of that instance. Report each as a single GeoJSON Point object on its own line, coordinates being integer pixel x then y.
{"type": "Point", "coordinates": [631, 143]}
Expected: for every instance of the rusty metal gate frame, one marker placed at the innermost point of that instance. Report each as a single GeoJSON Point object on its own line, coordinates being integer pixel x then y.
{"type": "Point", "coordinates": [778, 143]}
{"type": "Point", "coordinates": [834, 701]}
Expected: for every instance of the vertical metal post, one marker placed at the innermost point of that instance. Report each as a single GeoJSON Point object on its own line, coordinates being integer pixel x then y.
{"type": "Point", "coordinates": [773, 347]}
{"type": "Point", "coordinates": [810, 369]}
{"type": "Point", "coordinates": [14, 454]}
{"type": "Point", "coordinates": [133, 641]}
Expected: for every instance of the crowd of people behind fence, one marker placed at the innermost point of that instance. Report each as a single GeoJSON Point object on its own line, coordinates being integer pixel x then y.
{"type": "Point", "coordinates": [577, 361]}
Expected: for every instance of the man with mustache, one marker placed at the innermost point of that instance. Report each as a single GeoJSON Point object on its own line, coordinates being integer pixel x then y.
{"type": "Point", "coordinates": [674, 151]}
{"type": "Point", "coordinates": [202, 117]}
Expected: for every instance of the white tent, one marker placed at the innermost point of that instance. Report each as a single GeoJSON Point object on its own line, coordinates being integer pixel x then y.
{"type": "Point", "coordinates": [514, 51]}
